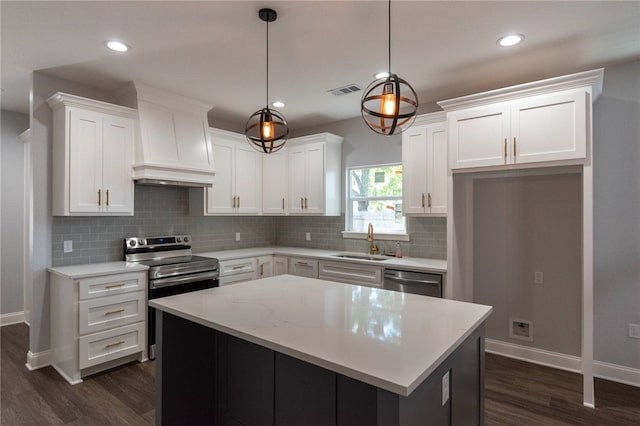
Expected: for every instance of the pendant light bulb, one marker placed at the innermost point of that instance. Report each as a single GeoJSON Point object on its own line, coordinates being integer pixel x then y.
{"type": "Point", "coordinates": [388, 104]}
{"type": "Point", "coordinates": [267, 130]}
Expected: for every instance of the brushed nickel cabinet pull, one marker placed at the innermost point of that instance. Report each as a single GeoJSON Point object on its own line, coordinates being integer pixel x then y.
{"type": "Point", "coordinates": [107, 198]}
{"type": "Point", "coordinates": [110, 345]}
{"type": "Point", "coordinates": [238, 202]}
{"type": "Point", "coordinates": [301, 203]}
{"type": "Point", "coordinates": [423, 200]}
{"type": "Point", "coordinates": [238, 267]}
{"type": "Point", "coordinates": [117, 311]}
{"type": "Point", "coordinates": [306, 205]}
{"type": "Point", "coordinates": [429, 198]}
{"type": "Point", "coordinates": [99, 197]}
{"type": "Point", "coordinates": [302, 263]}
{"type": "Point", "coordinates": [118, 285]}
{"type": "Point", "coordinates": [514, 147]}
{"type": "Point", "coordinates": [505, 148]}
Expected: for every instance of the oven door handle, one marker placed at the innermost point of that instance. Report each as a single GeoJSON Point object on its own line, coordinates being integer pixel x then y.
{"type": "Point", "coordinates": [167, 282]}
{"type": "Point", "coordinates": [403, 280]}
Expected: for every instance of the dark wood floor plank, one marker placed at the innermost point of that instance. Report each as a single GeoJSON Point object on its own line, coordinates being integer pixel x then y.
{"type": "Point", "coordinates": [517, 393]}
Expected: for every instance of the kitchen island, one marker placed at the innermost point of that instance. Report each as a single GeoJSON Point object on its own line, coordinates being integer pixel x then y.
{"type": "Point", "coordinates": [291, 350]}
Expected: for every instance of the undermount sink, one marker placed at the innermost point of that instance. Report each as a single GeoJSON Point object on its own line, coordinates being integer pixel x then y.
{"type": "Point", "coordinates": [362, 256]}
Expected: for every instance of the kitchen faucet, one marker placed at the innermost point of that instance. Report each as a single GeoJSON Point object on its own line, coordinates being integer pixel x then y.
{"type": "Point", "coordinates": [372, 247]}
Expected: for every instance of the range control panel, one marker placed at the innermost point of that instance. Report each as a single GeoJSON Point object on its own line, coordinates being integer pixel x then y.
{"type": "Point", "coordinates": [157, 242]}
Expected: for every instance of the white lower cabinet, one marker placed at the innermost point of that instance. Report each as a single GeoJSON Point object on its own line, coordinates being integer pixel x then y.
{"type": "Point", "coordinates": [238, 271]}
{"type": "Point", "coordinates": [280, 265]}
{"type": "Point", "coordinates": [350, 273]}
{"type": "Point", "coordinates": [303, 267]}
{"type": "Point", "coordinates": [97, 322]}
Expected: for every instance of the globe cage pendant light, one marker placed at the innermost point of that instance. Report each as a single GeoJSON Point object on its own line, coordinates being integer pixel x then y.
{"type": "Point", "coordinates": [267, 129]}
{"type": "Point", "coordinates": [389, 103]}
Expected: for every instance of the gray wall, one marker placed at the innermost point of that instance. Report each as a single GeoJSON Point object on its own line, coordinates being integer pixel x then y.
{"type": "Point", "coordinates": [524, 225]}
{"type": "Point", "coordinates": [12, 212]}
{"type": "Point", "coordinates": [616, 167]}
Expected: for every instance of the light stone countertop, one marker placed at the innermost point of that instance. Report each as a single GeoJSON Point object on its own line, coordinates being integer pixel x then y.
{"type": "Point", "coordinates": [97, 269]}
{"type": "Point", "coordinates": [411, 263]}
{"type": "Point", "coordinates": [387, 339]}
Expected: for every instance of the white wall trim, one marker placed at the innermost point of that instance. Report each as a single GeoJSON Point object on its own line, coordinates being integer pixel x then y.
{"type": "Point", "coordinates": [617, 373]}
{"type": "Point", "coordinates": [38, 360]}
{"type": "Point", "coordinates": [12, 318]}
{"type": "Point", "coordinates": [534, 355]}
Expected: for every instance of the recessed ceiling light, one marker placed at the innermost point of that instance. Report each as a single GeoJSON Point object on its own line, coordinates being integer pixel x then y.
{"type": "Point", "coordinates": [382, 74]}
{"type": "Point", "coordinates": [510, 40]}
{"type": "Point", "coordinates": [278, 104]}
{"type": "Point", "coordinates": [116, 45]}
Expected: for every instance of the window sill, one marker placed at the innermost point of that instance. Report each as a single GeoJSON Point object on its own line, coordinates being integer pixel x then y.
{"type": "Point", "coordinates": [382, 237]}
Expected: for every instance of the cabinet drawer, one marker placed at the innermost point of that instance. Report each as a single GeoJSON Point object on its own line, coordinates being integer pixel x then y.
{"type": "Point", "coordinates": [350, 273]}
{"type": "Point", "coordinates": [111, 311]}
{"type": "Point", "coordinates": [112, 284]}
{"type": "Point", "coordinates": [111, 344]}
{"type": "Point", "coordinates": [238, 266]}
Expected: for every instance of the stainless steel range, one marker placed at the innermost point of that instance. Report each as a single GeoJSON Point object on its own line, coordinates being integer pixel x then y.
{"type": "Point", "coordinates": [172, 270]}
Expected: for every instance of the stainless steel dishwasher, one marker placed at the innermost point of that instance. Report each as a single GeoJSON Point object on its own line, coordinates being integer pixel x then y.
{"type": "Point", "coordinates": [422, 283]}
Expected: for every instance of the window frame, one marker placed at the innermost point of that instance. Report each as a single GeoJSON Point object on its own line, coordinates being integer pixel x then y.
{"type": "Point", "coordinates": [390, 236]}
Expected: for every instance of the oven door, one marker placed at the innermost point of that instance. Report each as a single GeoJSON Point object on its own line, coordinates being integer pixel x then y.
{"type": "Point", "coordinates": [171, 286]}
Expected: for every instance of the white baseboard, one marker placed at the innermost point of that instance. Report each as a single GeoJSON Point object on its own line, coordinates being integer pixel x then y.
{"type": "Point", "coordinates": [534, 355]}
{"type": "Point", "coordinates": [38, 360]}
{"type": "Point", "coordinates": [12, 318]}
{"type": "Point", "coordinates": [603, 370]}
{"type": "Point", "coordinates": [617, 373]}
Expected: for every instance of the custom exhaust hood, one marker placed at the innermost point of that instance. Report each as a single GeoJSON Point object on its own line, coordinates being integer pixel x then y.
{"type": "Point", "coordinates": [173, 144]}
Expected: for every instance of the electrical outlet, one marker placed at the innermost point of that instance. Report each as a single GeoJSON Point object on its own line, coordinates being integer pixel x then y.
{"type": "Point", "coordinates": [308, 236]}
{"type": "Point", "coordinates": [237, 236]}
{"type": "Point", "coordinates": [68, 246]}
{"type": "Point", "coordinates": [634, 331]}
{"type": "Point", "coordinates": [538, 278]}
{"type": "Point", "coordinates": [445, 388]}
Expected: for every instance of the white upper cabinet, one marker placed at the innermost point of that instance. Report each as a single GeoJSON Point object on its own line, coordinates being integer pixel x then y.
{"type": "Point", "coordinates": [237, 188]}
{"type": "Point", "coordinates": [539, 122]}
{"type": "Point", "coordinates": [275, 173]}
{"type": "Point", "coordinates": [424, 166]}
{"type": "Point", "coordinates": [93, 146]}
{"type": "Point", "coordinates": [314, 175]}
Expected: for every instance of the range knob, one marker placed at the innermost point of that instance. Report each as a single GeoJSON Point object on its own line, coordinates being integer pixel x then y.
{"type": "Point", "coordinates": [186, 239]}
{"type": "Point", "coordinates": [178, 239]}
{"type": "Point", "coordinates": [142, 242]}
{"type": "Point", "coordinates": [132, 243]}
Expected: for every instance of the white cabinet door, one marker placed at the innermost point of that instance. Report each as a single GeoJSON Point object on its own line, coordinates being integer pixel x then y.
{"type": "Point", "coordinates": [220, 197]}
{"type": "Point", "coordinates": [414, 170]}
{"type": "Point", "coordinates": [297, 173]}
{"type": "Point", "coordinates": [437, 169]}
{"type": "Point", "coordinates": [424, 170]}
{"type": "Point", "coordinates": [275, 174]}
{"type": "Point", "coordinates": [479, 136]}
{"type": "Point", "coordinates": [248, 174]}
{"type": "Point", "coordinates": [85, 162]}
{"type": "Point", "coordinates": [314, 179]}
{"type": "Point", "coordinates": [265, 266]}
{"type": "Point", "coordinates": [117, 149]}
{"type": "Point", "coordinates": [280, 265]}
{"type": "Point", "coordinates": [549, 127]}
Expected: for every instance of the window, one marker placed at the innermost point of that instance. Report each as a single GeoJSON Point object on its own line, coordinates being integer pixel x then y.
{"type": "Point", "coordinates": [374, 195]}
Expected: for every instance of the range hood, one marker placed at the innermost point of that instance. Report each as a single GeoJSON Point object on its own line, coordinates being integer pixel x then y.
{"type": "Point", "coordinates": [173, 144]}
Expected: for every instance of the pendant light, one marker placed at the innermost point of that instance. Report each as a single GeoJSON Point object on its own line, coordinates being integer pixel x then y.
{"type": "Point", "coordinates": [267, 129]}
{"type": "Point", "coordinates": [389, 104]}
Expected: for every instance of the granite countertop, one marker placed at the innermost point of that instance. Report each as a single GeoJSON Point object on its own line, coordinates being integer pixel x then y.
{"type": "Point", "coordinates": [412, 263]}
{"type": "Point", "coordinates": [384, 338]}
{"type": "Point", "coordinates": [97, 269]}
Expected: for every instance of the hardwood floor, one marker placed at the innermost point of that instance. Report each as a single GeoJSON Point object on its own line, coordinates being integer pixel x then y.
{"type": "Point", "coordinates": [517, 393]}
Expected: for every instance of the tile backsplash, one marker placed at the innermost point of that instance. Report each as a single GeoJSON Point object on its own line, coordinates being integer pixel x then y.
{"type": "Point", "coordinates": [165, 211]}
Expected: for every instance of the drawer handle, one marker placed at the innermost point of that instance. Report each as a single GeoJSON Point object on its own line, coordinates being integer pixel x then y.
{"type": "Point", "coordinates": [302, 263]}
{"type": "Point", "coordinates": [117, 311]}
{"type": "Point", "coordinates": [115, 285]}
{"type": "Point", "coordinates": [110, 345]}
{"type": "Point", "coordinates": [238, 267]}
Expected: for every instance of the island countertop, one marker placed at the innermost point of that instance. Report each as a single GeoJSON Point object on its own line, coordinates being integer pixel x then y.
{"type": "Point", "coordinates": [387, 339]}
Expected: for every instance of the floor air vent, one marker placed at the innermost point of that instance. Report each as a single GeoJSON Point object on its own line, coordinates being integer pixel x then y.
{"type": "Point", "coordinates": [345, 90]}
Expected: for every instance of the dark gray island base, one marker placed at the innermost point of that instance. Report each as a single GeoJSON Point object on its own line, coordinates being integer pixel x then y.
{"type": "Point", "coordinates": [206, 377]}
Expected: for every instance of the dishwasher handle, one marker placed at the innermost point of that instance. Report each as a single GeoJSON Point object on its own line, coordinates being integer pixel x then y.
{"type": "Point", "coordinates": [403, 280]}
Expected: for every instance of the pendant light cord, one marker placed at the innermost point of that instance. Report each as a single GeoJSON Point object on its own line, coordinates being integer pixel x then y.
{"type": "Point", "coordinates": [389, 37]}
{"type": "Point", "coordinates": [267, 100]}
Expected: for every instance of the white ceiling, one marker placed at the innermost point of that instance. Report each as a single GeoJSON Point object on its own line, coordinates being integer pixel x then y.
{"type": "Point", "coordinates": [214, 50]}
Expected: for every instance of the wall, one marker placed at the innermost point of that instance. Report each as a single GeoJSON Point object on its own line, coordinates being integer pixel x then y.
{"type": "Point", "coordinates": [524, 225]}
{"type": "Point", "coordinates": [616, 164]}
{"type": "Point", "coordinates": [12, 213]}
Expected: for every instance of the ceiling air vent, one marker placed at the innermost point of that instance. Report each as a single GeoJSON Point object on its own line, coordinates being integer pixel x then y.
{"type": "Point", "coordinates": [345, 90]}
